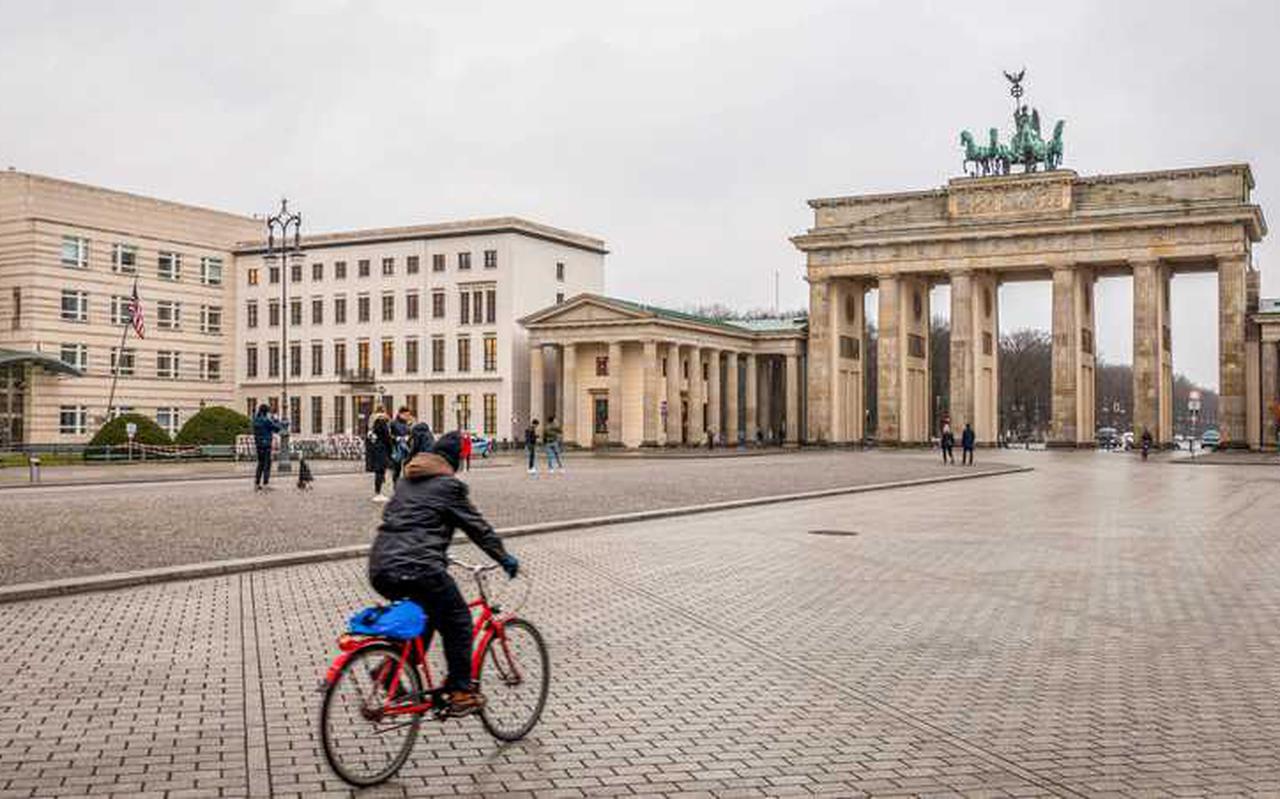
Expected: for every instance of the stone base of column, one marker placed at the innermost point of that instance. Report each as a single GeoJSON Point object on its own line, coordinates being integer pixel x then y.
{"type": "Point", "coordinates": [649, 444]}
{"type": "Point", "coordinates": [1071, 445]}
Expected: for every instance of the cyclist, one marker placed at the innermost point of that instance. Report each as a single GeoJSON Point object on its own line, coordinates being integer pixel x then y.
{"type": "Point", "coordinates": [409, 558]}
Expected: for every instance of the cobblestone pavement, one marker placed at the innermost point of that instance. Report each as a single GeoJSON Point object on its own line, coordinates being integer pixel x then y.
{"type": "Point", "coordinates": [1097, 627]}
{"type": "Point", "coordinates": [47, 533]}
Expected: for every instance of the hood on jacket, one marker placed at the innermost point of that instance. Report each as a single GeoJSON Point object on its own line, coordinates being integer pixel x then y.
{"type": "Point", "coordinates": [427, 464]}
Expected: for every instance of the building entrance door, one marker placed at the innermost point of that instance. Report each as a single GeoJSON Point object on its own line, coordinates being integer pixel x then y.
{"type": "Point", "coordinates": [12, 391]}
{"type": "Point", "coordinates": [600, 420]}
{"type": "Point", "coordinates": [362, 411]}
{"type": "Point", "coordinates": [684, 421]}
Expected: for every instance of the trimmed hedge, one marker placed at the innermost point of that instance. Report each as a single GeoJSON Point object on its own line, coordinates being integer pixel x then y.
{"type": "Point", "coordinates": [214, 425]}
{"type": "Point", "coordinates": [113, 432]}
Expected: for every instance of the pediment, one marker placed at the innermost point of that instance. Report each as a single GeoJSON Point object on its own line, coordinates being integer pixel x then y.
{"type": "Point", "coordinates": [585, 309]}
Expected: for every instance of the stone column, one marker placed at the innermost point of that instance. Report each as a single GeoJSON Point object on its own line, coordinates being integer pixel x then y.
{"type": "Point", "coordinates": [697, 397]}
{"type": "Point", "coordinates": [962, 402]}
{"type": "Point", "coordinates": [537, 384]}
{"type": "Point", "coordinates": [673, 395]}
{"type": "Point", "coordinates": [569, 390]}
{"type": "Point", "coordinates": [751, 398]}
{"type": "Point", "coordinates": [793, 400]}
{"type": "Point", "coordinates": [1152, 364]}
{"type": "Point", "coordinates": [823, 355]}
{"type": "Point", "coordinates": [714, 407]}
{"type": "Point", "coordinates": [889, 363]}
{"type": "Point", "coordinates": [652, 371]}
{"type": "Point", "coordinates": [615, 393]}
{"type": "Point", "coordinates": [1073, 378]}
{"type": "Point", "coordinates": [731, 388]}
{"type": "Point", "coordinates": [1254, 411]}
{"type": "Point", "coordinates": [1231, 349]}
{"type": "Point", "coordinates": [1270, 368]}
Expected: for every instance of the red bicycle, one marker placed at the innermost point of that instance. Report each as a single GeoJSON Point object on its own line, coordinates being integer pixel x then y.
{"type": "Point", "coordinates": [378, 690]}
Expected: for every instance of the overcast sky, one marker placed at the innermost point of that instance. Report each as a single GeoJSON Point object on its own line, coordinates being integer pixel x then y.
{"type": "Point", "coordinates": [688, 135]}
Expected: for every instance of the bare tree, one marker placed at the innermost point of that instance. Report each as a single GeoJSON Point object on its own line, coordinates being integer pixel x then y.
{"type": "Point", "coordinates": [1026, 378]}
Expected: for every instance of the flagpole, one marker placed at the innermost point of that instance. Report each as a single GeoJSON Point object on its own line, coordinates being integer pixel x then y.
{"type": "Point", "coordinates": [115, 371]}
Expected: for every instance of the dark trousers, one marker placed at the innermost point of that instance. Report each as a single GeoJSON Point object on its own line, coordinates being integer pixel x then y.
{"type": "Point", "coordinates": [379, 477]}
{"type": "Point", "coordinates": [967, 456]}
{"type": "Point", "coordinates": [948, 456]}
{"type": "Point", "coordinates": [447, 614]}
{"type": "Point", "coordinates": [533, 455]}
{"type": "Point", "coordinates": [262, 475]}
{"type": "Point", "coordinates": [395, 474]}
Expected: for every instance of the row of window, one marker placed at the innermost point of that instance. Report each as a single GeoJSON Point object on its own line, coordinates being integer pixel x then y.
{"type": "Point", "coordinates": [362, 408]}
{"type": "Point", "coordinates": [124, 260]}
{"type": "Point", "coordinates": [168, 363]}
{"type": "Point", "coordinates": [476, 307]}
{"type": "Point", "coordinates": [75, 308]}
{"type": "Point", "coordinates": [73, 420]}
{"type": "Point", "coordinates": [364, 268]}
{"type": "Point", "coordinates": [338, 365]}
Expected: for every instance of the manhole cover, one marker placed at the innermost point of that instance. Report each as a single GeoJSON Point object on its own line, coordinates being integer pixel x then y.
{"type": "Point", "coordinates": [833, 532]}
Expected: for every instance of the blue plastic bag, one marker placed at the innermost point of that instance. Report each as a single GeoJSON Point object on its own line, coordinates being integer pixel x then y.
{"type": "Point", "coordinates": [401, 620]}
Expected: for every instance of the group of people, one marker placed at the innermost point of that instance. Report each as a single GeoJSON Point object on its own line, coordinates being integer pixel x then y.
{"type": "Point", "coordinates": [552, 437]}
{"type": "Point", "coordinates": [393, 441]}
{"type": "Point", "coordinates": [967, 441]}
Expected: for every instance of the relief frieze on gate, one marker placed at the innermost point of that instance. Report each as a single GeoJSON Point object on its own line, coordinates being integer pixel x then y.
{"type": "Point", "coordinates": [988, 198]}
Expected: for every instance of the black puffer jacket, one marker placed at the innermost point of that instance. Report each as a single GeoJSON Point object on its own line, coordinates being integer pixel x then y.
{"type": "Point", "coordinates": [418, 523]}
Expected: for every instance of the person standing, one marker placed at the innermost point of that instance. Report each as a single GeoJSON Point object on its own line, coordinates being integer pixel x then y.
{"type": "Point", "coordinates": [377, 451]}
{"type": "Point", "coordinates": [531, 444]}
{"type": "Point", "coordinates": [551, 436]}
{"type": "Point", "coordinates": [420, 437]}
{"type": "Point", "coordinates": [948, 444]}
{"type": "Point", "coordinates": [967, 439]}
{"type": "Point", "coordinates": [400, 445]}
{"type": "Point", "coordinates": [466, 449]}
{"type": "Point", "coordinates": [264, 428]}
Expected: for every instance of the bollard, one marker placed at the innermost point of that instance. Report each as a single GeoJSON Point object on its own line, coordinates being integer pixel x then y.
{"type": "Point", "coordinates": [33, 468]}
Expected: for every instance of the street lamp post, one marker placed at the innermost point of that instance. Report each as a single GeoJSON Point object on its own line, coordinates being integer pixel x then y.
{"type": "Point", "coordinates": [279, 251]}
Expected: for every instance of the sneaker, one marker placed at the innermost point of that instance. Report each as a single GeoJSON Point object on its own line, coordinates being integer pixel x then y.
{"type": "Point", "coordinates": [463, 703]}
{"type": "Point", "coordinates": [381, 498]}
{"type": "Point", "coordinates": [533, 472]}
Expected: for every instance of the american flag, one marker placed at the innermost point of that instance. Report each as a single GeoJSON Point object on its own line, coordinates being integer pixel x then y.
{"type": "Point", "coordinates": [135, 313]}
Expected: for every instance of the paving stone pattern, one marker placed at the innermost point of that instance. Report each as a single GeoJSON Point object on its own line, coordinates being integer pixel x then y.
{"type": "Point", "coordinates": [1094, 628]}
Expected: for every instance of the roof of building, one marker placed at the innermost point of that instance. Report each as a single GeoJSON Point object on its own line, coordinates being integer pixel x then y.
{"type": "Point", "coordinates": [40, 359]}
{"type": "Point", "coordinates": [441, 230]}
{"type": "Point", "coordinates": [765, 326]}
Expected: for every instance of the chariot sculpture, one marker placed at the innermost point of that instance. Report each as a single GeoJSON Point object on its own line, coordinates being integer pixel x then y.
{"type": "Point", "coordinates": [1026, 148]}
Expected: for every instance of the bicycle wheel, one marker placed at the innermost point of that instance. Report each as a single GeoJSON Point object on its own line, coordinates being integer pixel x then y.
{"type": "Point", "coordinates": [515, 673]}
{"type": "Point", "coordinates": [362, 746]}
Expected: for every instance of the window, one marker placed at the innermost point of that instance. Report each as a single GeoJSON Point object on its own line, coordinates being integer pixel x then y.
{"type": "Point", "coordinates": [295, 359]}
{"type": "Point", "coordinates": [339, 414]}
{"type": "Point", "coordinates": [210, 366]}
{"type": "Point", "coordinates": [210, 318]}
{"type": "Point", "coordinates": [362, 308]}
{"type": "Point", "coordinates": [477, 306]}
{"type": "Point", "coordinates": [464, 353]}
{"type": "Point", "coordinates": [559, 298]}
{"type": "Point", "coordinates": [120, 310]}
{"type": "Point", "coordinates": [437, 412]}
{"type": "Point", "coordinates": [251, 407]}
{"type": "Point", "coordinates": [317, 311]}
{"type": "Point", "coordinates": [75, 355]}
{"type": "Point", "coordinates": [437, 355]}
{"type": "Point", "coordinates": [491, 306]}
{"type": "Point", "coordinates": [411, 356]}
{"type": "Point", "coordinates": [388, 356]}
{"type": "Point", "coordinates": [295, 273]}
{"type": "Point", "coordinates": [437, 305]}
{"type": "Point", "coordinates": [362, 355]}
{"type": "Point", "coordinates": [490, 414]}
{"type": "Point", "coordinates": [849, 347]}
{"type": "Point", "coordinates": [362, 267]}
{"type": "Point", "coordinates": [317, 359]}
{"type": "Point", "coordinates": [295, 311]}
{"type": "Point", "coordinates": [437, 265]}
{"type": "Point", "coordinates": [464, 308]}
{"type": "Point", "coordinates": [317, 415]}
{"type": "Point", "coordinates": [124, 259]}
{"type": "Point", "coordinates": [411, 306]}
{"type": "Point", "coordinates": [167, 364]}
{"type": "Point", "coordinates": [491, 353]}
{"type": "Point", "coordinates": [317, 271]}
{"type": "Point", "coordinates": [388, 307]}
{"type": "Point", "coordinates": [411, 265]}
{"type": "Point", "coordinates": [464, 260]}
{"type": "Point", "coordinates": [75, 305]}
{"type": "Point", "coordinates": [273, 360]}
{"type": "Point", "coordinates": [75, 252]}
{"type": "Point", "coordinates": [211, 271]}
{"type": "Point", "coordinates": [169, 266]}
{"type": "Point", "coordinates": [72, 420]}
{"type": "Point", "coordinates": [339, 270]}
{"type": "Point", "coordinates": [560, 271]}
{"type": "Point", "coordinates": [490, 259]}
{"type": "Point", "coordinates": [411, 402]}
{"type": "Point", "coordinates": [388, 267]}
{"type": "Point", "coordinates": [339, 310]}
{"type": "Point", "coordinates": [706, 371]}
{"type": "Point", "coordinates": [339, 357]}
{"type": "Point", "coordinates": [273, 274]}
{"type": "Point", "coordinates": [273, 313]}
{"type": "Point", "coordinates": [169, 419]}
{"type": "Point", "coordinates": [251, 360]}
{"type": "Point", "coordinates": [915, 346]}
{"type": "Point", "coordinates": [169, 315]}
{"type": "Point", "coordinates": [602, 366]}
{"type": "Point", "coordinates": [463, 403]}
{"type": "Point", "coordinates": [252, 273]}
{"type": "Point", "coordinates": [295, 415]}
{"type": "Point", "coordinates": [123, 360]}
{"type": "Point", "coordinates": [987, 344]}
{"type": "Point", "coordinates": [251, 314]}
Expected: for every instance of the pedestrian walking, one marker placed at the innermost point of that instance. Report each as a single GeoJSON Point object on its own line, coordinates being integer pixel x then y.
{"type": "Point", "coordinates": [421, 438]}
{"type": "Point", "coordinates": [551, 436]}
{"type": "Point", "coordinates": [948, 445]}
{"type": "Point", "coordinates": [967, 439]}
{"type": "Point", "coordinates": [400, 444]}
{"type": "Point", "coordinates": [377, 452]}
{"type": "Point", "coordinates": [465, 451]}
{"type": "Point", "coordinates": [531, 444]}
{"type": "Point", "coordinates": [264, 429]}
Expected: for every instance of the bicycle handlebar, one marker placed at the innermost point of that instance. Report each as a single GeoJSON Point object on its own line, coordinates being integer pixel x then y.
{"type": "Point", "coordinates": [473, 568]}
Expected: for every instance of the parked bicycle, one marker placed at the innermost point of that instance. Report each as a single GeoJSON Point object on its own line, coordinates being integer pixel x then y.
{"type": "Point", "coordinates": [379, 689]}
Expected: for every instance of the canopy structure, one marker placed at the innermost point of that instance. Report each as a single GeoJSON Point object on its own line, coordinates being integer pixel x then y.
{"type": "Point", "coordinates": [38, 359]}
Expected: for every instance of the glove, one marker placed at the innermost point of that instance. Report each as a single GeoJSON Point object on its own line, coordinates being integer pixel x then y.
{"type": "Point", "coordinates": [509, 564]}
